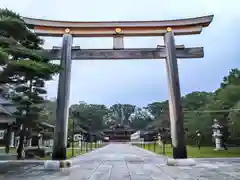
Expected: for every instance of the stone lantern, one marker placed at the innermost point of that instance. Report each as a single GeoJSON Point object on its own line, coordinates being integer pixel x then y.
{"type": "Point", "coordinates": [217, 135]}
{"type": "Point", "coordinates": [198, 138]}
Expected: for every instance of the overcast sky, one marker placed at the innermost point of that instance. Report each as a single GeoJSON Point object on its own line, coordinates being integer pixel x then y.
{"type": "Point", "coordinates": [141, 81]}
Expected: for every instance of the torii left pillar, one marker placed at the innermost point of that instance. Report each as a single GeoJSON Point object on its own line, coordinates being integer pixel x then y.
{"type": "Point", "coordinates": [175, 106]}
{"type": "Point", "coordinates": [61, 128]}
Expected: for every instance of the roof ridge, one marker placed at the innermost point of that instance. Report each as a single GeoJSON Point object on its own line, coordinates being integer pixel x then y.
{"type": "Point", "coordinates": [2, 109]}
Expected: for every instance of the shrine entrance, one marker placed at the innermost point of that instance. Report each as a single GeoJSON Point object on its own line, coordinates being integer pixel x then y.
{"type": "Point", "coordinates": [118, 30]}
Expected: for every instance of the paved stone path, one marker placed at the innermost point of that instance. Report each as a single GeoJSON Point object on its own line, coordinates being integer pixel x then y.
{"type": "Point", "coordinates": [126, 162]}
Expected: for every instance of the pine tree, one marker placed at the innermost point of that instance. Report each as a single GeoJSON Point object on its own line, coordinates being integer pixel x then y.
{"type": "Point", "coordinates": [26, 69]}
{"type": "Point", "coordinates": [10, 26]}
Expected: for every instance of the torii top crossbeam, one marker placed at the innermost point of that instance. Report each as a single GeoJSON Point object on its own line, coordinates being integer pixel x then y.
{"type": "Point", "coordinates": [112, 28]}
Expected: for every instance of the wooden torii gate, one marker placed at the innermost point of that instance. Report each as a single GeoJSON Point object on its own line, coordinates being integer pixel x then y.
{"type": "Point", "coordinates": [169, 51]}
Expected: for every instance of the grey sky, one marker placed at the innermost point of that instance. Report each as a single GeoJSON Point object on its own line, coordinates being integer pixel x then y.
{"type": "Point", "coordinates": [141, 81]}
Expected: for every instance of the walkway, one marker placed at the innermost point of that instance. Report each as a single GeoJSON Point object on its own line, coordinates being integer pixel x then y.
{"type": "Point", "coordinates": [118, 162]}
{"type": "Point", "coordinates": [126, 162]}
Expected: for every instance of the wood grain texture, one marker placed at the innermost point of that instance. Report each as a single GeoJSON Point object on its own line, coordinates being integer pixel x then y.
{"type": "Point", "coordinates": [175, 106]}
{"type": "Point", "coordinates": [142, 53]}
{"type": "Point", "coordinates": [128, 28]}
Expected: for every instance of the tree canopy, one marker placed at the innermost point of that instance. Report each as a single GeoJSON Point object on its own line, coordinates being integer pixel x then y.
{"type": "Point", "coordinates": [24, 69]}
{"type": "Point", "coordinates": [200, 109]}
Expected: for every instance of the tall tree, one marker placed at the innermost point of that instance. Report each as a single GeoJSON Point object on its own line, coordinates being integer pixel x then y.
{"type": "Point", "coordinates": [10, 25]}
{"type": "Point", "coordinates": [158, 108]}
{"type": "Point", "coordinates": [232, 78]}
{"type": "Point", "coordinates": [48, 113]}
{"type": "Point", "coordinates": [196, 100]}
{"type": "Point", "coordinates": [122, 112]}
{"type": "Point", "coordinates": [160, 112]}
{"type": "Point", "coordinates": [234, 124]}
{"type": "Point", "coordinates": [27, 70]}
{"type": "Point", "coordinates": [140, 118]}
{"type": "Point", "coordinates": [12, 29]}
{"type": "Point", "coordinates": [89, 115]}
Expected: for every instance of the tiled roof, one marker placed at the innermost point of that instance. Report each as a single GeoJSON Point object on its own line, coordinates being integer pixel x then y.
{"type": "Point", "coordinates": [3, 110]}
{"type": "Point", "coordinates": [4, 101]}
{"type": "Point", "coordinates": [47, 125]}
{"type": "Point", "coordinates": [7, 107]}
{"type": "Point", "coordinates": [10, 108]}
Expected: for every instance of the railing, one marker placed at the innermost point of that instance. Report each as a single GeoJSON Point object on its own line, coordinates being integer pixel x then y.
{"type": "Point", "coordinates": [154, 146]}
{"type": "Point", "coordinates": [84, 147]}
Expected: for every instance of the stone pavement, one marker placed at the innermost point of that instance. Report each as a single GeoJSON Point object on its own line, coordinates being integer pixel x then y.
{"type": "Point", "coordinates": [20, 171]}
{"type": "Point", "coordinates": [126, 162]}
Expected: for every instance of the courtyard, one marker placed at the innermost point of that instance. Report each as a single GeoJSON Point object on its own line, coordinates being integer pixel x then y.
{"type": "Point", "coordinates": [126, 162]}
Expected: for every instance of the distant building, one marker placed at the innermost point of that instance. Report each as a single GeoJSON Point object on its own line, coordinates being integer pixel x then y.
{"type": "Point", "coordinates": [7, 109]}
{"type": "Point", "coordinates": [136, 137]}
{"type": "Point", "coordinates": [119, 133]}
{"type": "Point", "coordinates": [144, 135]}
{"type": "Point", "coordinates": [8, 119]}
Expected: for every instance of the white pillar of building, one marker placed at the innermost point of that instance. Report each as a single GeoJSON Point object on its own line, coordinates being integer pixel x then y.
{"type": "Point", "coordinates": [51, 142]}
{"type": "Point", "coordinates": [17, 141]}
{"type": "Point", "coordinates": [45, 142]}
{"type": "Point", "coordinates": [40, 141]}
{"type": "Point", "coordinates": [29, 142]}
{"type": "Point", "coordinates": [12, 139]}
{"type": "Point", "coordinates": [218, 143]}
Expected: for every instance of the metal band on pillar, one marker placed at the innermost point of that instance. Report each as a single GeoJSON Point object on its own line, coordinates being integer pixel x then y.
{"type": "Point", "coordinates": [61, 129]}
{"type": "Point", "coordinates": [175, 108]}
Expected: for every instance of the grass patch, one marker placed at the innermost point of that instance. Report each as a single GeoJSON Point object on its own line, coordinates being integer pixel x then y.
{"type": "Point", "coordinates": [75, 152]}
{"type": "Point", "coordinates": [11, 150]}
{"type": "Point", "coordinates": [78, 151]}
{"type": "Point", "coordinates": [194, 152]}
{"type": "Point", "coordinates": [87, 147]}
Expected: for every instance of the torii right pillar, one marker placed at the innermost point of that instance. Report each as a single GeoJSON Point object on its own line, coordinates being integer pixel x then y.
{"type": "Point", "coordinates": [175, 106]}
